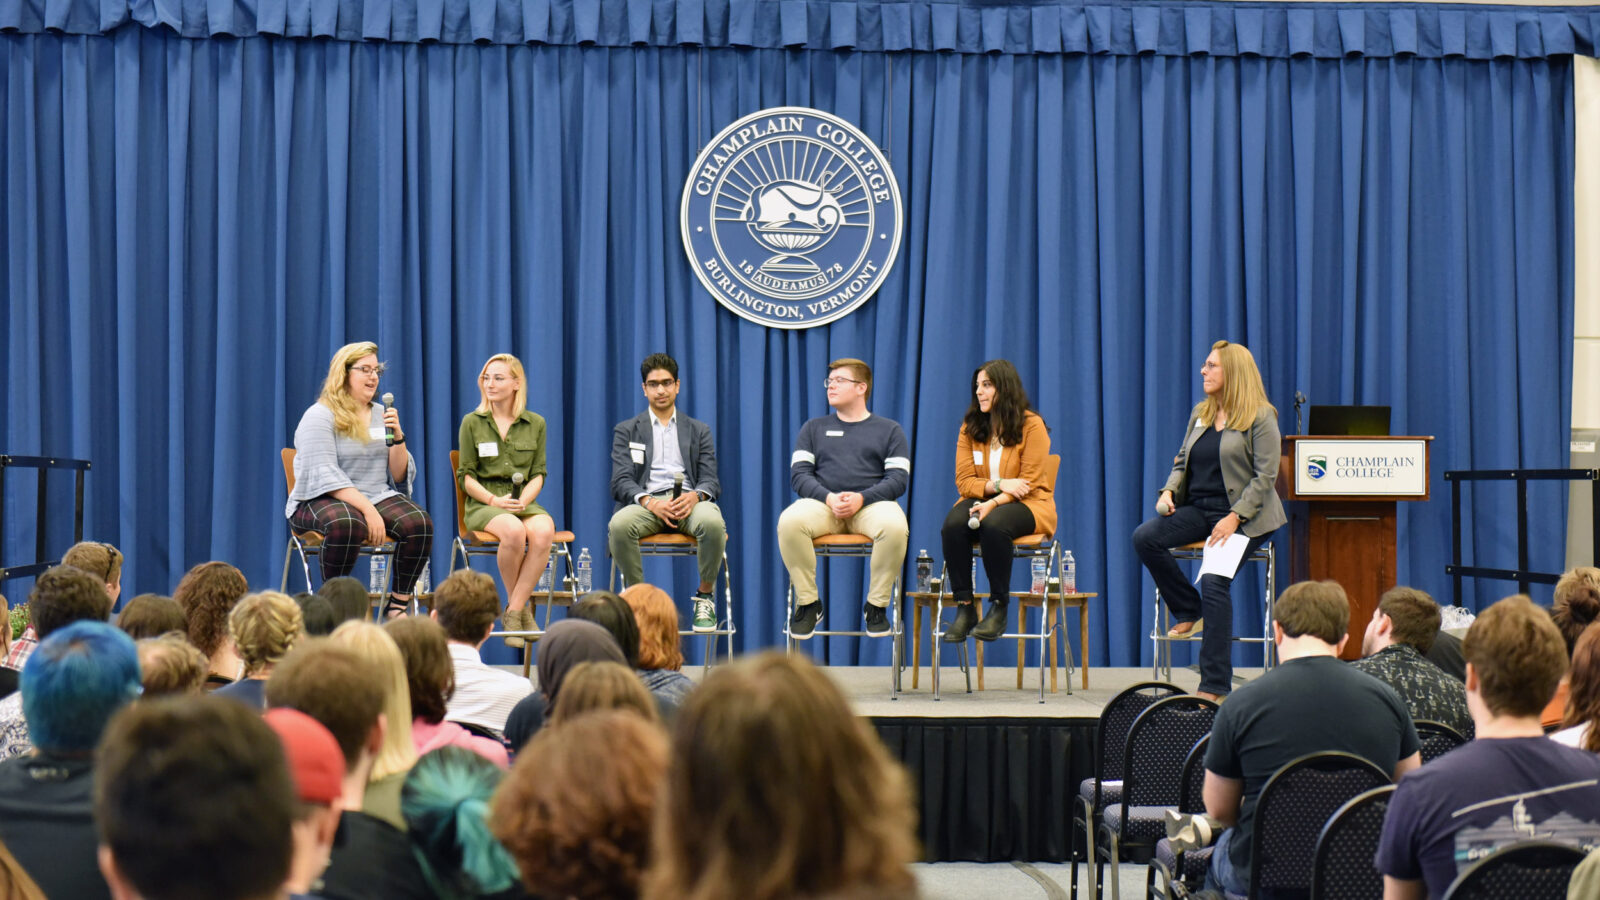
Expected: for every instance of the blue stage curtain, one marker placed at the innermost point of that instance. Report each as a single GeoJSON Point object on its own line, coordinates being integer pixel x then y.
{"type": "Point", "coordinates": [190, 226]}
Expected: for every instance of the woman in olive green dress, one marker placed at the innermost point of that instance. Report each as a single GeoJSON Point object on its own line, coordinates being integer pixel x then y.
{"type": "Point", "coordinates": [500, 438]}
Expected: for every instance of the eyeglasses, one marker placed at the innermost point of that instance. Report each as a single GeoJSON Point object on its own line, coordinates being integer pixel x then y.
{"type": "Point", "coordinates": [498, 379]}
{"type": "Point", "coordinates": [660, 385]}
{"type": "Point", "coordinates": [839, 379]}
{"type": "Point", "coordinates": [378, 369]}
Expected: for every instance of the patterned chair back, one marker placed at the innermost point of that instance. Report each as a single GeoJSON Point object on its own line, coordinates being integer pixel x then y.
{"type": "Point", "coordinates": [1294, 805]}
{"type": "Point", "coordinates": [1526, 870]}
{"type": "Point", "coordinates": [1115, 721]}
{"type": "Point", "coordinates": [1345, 849]}
{"type": "Point", "coordinates": [1159, 742]}
{"type": "Point", "coordinates": [1191, 792]}
{"type": "Point", "coordinates": [1437, 739]}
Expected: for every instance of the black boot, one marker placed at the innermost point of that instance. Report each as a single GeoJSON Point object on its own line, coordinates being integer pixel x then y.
{"type": "Point", "coordinates": [994, 622]}
{"type": "Point", "coordinates": [966, 617]}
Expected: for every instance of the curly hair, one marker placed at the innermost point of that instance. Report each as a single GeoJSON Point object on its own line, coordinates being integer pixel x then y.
{"type": "Point", "coordinates": [207, 593]}
{"type": "Point", "coordinates": [1583, 687]}
{"type": "Point", "coordinates": [264, 627]}
{"type": "Point", "coordinates": [63, 595]}
{"type": "Point", "coordinates": [577, 808]}
{"type": "Point", "coordinates": [349, 417]}
{"type": "Point", "coordinates": [1576, 603]}
{"type": "Point", "coordinates": [599, 684]}
{"type": "Point", "coordinates": [430, 673]}
{"type": "Point", "coordinates": [659, 644]}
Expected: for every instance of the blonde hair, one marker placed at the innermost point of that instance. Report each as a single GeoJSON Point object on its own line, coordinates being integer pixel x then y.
{"type": "Point", "coordinates": [659, 644]}
{"type": "Point", "coordinates": [264, 627]}
{"type": "Point", "coordinates": [1243, 396]}
{"type": "Point", "coordinates": [601, 684]}
{"type": "Point", "coordinates": [349, 417]}
{"type": "Point", "coordinates": [376, 647]}
{"type": "Point", "coordinates": [519, 398]}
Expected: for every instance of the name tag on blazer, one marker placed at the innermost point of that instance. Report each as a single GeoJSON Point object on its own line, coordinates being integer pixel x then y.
{"type": "Point", "coordinates": [636, 450]}
{"type": "Point", "coordinates": [488, 449]}
{"type": "Point", "coordinates": [376, 432]}
{"type": "Point", "coordinates": [977, 458]}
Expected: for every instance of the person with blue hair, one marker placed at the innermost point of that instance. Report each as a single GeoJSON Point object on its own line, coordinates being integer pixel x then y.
{"type": "Point", "coordinates": [72, 684]}
{"type": "Point", "coordinates": [445, 802]}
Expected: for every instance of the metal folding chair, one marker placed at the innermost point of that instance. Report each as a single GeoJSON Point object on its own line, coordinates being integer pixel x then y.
{"type": "Point", "coordinates": [1161, 664]}
{"type": "Point", "coordinates": [309, 544]}
{"type": "Point", "coordinates": [830, 546]}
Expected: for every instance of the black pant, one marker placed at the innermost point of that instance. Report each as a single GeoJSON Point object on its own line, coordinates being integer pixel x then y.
{"type": "Point", "coordinates": [994, 536]}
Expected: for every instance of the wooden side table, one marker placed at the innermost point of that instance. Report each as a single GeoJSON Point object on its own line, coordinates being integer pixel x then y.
{"type": "Point", "coordinates": [1055, 611]}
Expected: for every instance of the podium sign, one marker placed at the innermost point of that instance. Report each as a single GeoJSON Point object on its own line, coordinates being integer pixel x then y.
{"type": "Point", "coordinates": [1347, 467]}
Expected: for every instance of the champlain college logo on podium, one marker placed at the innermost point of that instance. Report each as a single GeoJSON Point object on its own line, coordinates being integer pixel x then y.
{"type": "Point", "coordinates": [791, 217]}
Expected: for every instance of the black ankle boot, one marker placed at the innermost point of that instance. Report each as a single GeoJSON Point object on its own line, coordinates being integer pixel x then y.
{"type": "Point", "coordinates": [966, 617]}
{"type": "Point", "coordinates": [994, 622]}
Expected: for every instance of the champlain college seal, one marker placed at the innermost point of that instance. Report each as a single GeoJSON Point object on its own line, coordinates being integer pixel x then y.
{"type": "Point", "coordinates": [791, 217]}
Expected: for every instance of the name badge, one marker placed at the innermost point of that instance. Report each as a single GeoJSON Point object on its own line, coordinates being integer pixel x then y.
{"type": "Point", "coordinates": [636, 450]}
{"type": "Point", "coordinates": [1199, 425]}
{"type": "Point", "coordinates": [488, 449]}
{"type": "Point", "coordinates": [834, 433]}
{"type": "Point", "coordinates": [977, 457]}
{"type": "Point", "coordinates": [376, 433]}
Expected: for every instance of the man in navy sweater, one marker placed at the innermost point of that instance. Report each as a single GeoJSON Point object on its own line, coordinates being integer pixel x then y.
{"type": "Point", "coordinates": [849, 467]}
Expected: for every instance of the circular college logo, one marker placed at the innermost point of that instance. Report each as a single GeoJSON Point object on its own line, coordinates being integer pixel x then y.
{"type": "Point", "coordinates": [791, 217]}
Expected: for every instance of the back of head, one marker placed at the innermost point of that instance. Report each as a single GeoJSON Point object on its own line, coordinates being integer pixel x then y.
{"type": "Point", "coordinates": [1576, 603]}
{"type": "Point", "coordinates": [1319, 609]}
{"type": "Point", "coordinates": [194, 800]}
{"type": "Point", "coordinates": [445, 802]}
{"type": "Point", "coordinates": [1518, 656]}
{"type": "Point", "coordinates": [612, 613]}
{"type": "Point", "coordinates": [207, 594]}
{"type": "Point", "coordinates": [593, 686]}
{"type": "Point", "coordinates": [374, 645]}
{"type": "Point", "coordinates": [74, 681]}
{"type": "Point", "coordinates": [333, 685]}
{"type": "Point", "coordinates": [169, 664]}
{"type": "Point", "coordinates": [99, 559]}
{"type": "Point", "coordinates": [64, 595]}
{"type": "Point", "coordinates": [1415, 617]}
{"type": "Point", "coordinates": [149, 615]}
{"type": "Point", "coordinates": [576, 810]}
{"type": "Point", "coordinates": [318, 614]}
{"type": "Point", "coordinates": [660, 646]}
{"type": "Point", "coordinates": [1583, 694]}
{"type": "Point", "coordinates": [430, 673]}
{"type": "Point", "coordinates": [264, 628]}
{"type": "Point", "coordinates": [466, 604]}
{"type": "Point", "coordinates": [347, 596]}
{"type": "Point", "coordinates": [778, 790]}
{"type": "Point", "coordinates": [567, 643]}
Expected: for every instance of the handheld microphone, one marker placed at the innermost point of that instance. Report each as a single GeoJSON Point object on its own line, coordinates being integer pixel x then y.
{"type": "Point", "coordinates": [677, 485]}
{"type": "Point", "coordinates": [388, 432]}
{"type": "Point", "coordinates": [972, 521]}
{"type": "Point", "coordinates": [1299, 398]}
{"type": "Point", "coordinates": [516, 484]}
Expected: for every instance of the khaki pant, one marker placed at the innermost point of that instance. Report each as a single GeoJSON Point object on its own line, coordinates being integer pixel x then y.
{"type": "Point", "coordinates": [805, 519]}
{"type": "Point", "coordinates": [632, 522]}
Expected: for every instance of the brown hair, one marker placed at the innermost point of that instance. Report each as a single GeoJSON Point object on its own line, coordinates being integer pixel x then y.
{"type": "Point", "coordinates": [1583, 687]}
{"type": "Point", "coordinates": [1517, 654]}
{"type": "Point", "coordinates": [14, 881]}
{"type": "Point", "coordinates": [1576, 604]}
{"type": "Point", "coordinates": [103, 561]}
{"type": "Point", "coordinates": [778, 789]}
{"type": "Point", "coordinates": [1414, 616]}
{"type": "Point", "coordinates": [657, 615]}
{"type": "Point", "coordinates": [430, 673]}
{"type": "Point", "coordinates": [467, 603]}
{"type": "Point", "coordinates": [169, 664]}
{"type": "Point", "coordinates": [264, 627]}
{"type": "Point", "coordinates": [207, 594]}
{"type": "Point", "coordinates": [601, 684]}
{"type": "Point", "coordinates": [334, 685]}
{"type": "Point", "coordinates": [858, 369]}
{"type": "Point", "coordinates": [576, 810]}
{"type": "Point", "coordinates": [63, 595]}
{"type": "Point", "coordinates": [150, 615]}
{"type": "Point", "coordinates": [1317, 608]}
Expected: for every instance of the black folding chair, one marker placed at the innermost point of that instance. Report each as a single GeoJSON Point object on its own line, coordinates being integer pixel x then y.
{"type": "Point", "coordinates": [1437, 739]}
{"type": "Point", "coordinates": [1110, 740]}
{"type": "Point", "coordinates": [1170, 865]}
{"type": "Point", "coordinates": [1526, 870]}
{"type": "Point", "coordinates": [1295, 804]}
{"type": "Point", "coordinates": [1342, 868]}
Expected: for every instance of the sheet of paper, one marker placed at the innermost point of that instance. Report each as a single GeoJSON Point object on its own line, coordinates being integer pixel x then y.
{"type": "Point", "coordinates": [1223, 559]}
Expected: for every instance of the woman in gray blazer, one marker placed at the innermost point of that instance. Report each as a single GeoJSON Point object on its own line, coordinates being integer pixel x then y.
{"type": "Point", "coordinates": [1222, 481]}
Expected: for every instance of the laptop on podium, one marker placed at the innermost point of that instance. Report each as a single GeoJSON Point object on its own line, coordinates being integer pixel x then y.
{"type": "Point", "coordinates": [1365, 421]}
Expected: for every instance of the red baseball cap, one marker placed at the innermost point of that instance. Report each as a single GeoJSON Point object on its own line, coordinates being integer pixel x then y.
{"type": "Point", "coordinates": [315, 760]}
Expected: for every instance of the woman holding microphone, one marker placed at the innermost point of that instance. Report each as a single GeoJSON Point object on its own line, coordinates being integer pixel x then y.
{"type": "Point", "coordinates": [1222, 482]}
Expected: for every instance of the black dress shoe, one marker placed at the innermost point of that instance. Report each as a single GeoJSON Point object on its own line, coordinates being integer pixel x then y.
{"type": "Point", "coordinates": [994, 622]}
{"type": "Point", "coordinates": [966, 617]}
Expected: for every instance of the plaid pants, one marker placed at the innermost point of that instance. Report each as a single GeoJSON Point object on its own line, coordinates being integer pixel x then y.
{"type": "Point", "coordinates": [344, 532]}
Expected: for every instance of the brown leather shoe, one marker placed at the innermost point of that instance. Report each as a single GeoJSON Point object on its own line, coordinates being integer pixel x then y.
{"type": "Point", "coordinates": [1187, 629]}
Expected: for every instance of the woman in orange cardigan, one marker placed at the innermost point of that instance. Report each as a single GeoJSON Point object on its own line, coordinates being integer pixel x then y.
{"type": "Point", "coordinates": [1001, 455]}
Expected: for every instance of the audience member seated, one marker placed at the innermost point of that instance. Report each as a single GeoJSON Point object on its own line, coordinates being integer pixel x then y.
{"type": "Point", "coordinates": [1446, 654]}
{"type": "Point", "coordinates": [207, 594]}
{"type": "Point", "coordinates": [1394, 651]}
{"type": "Point", "coordinates": [397, 755]}
{"type": "Point", "coordinates": [8, 677]}
{"type": "Point", "coordinates": [565, 644]}
{"type": "Point", "coordinates": [60, 596]}
{"type": "Point", "coordinates": [1585, 882]}
{"type": "Point", "coordinates": [1508, 784]}
{"type": "Point", "coordinates": [612, 613]}
{"type": "Point", "coordinates": [169, 664]}
{"type": "Point", "coordinates": [193, 799]}
{"type": "Point", "coordinates": [446, 805]}
{"type": "Point", "coordinates": [318, 614]}
{"type": "Point", "coordinates": [660, 647]}
{"type": "Point", "coordinates": [466, 604]}
{"type": "Point", "coordinates": [592, 686]}
{"type": "Point", "coordinates": [1583, 694]}
{"type": "Point", "coordinates": [577, 809]}
{"type": "Point", "coordinates": [430, 680]}
{"type": "Point", "coordinates": [262, 629]}
{"type": "Point", "coordinates": [149, 615]}
{"type": "Point", "coordinates": [345, 692]}
{"type": "Point", "coordinates": [1311, 703]}
{"type": "Point", "coordinates": [316, 766]}
{"type": "Point", "coordinates": [101, 560]}
{"type": "Point", "coordinates": [777, 789]}
{"type": "Point", "coordinates": [71, 686]}
{"type": "Point", "coordinates": [348, 597]}
{"type": "Point", "coordinates": [1576, 605]}
{"type": "Point", "coordinates": [14, 882]}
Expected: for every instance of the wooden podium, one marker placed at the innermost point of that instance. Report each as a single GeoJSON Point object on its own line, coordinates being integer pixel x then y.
{"type": "Point", "coordinates": [1340, 493]}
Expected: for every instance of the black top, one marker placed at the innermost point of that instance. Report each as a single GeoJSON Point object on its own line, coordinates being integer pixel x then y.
{"type": "Point", "coordinates": [1446, 654]}
{"type": "Point", "coordinates": [1205, 467]}
{"type": "Point", "coordinates": [8, 681]}
{"type": "Point", "coordinates": [372, 858]}
{"type": "Point", "coordinates": [47, 822]}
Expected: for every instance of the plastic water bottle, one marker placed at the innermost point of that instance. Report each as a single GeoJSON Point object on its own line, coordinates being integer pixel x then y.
{"type": "Point", "coordinates": [585, 572]}
{"type": "Point", "coordinates": [548, 578]}
{"type": "Point", "coordinates": [1069, 566]}
{"type": "Point", "coordinates": [924, 571]}
{"type": "Point", "coordinates": [376, 574]}
{"type": "Point", "coordinates": [974, 573]}
{"type": "Point", "coordinates": [1040, 569]}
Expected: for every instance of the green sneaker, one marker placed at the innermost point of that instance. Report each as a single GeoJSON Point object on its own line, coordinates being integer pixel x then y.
{"type": "Point", "coordinates": [705, 613]}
